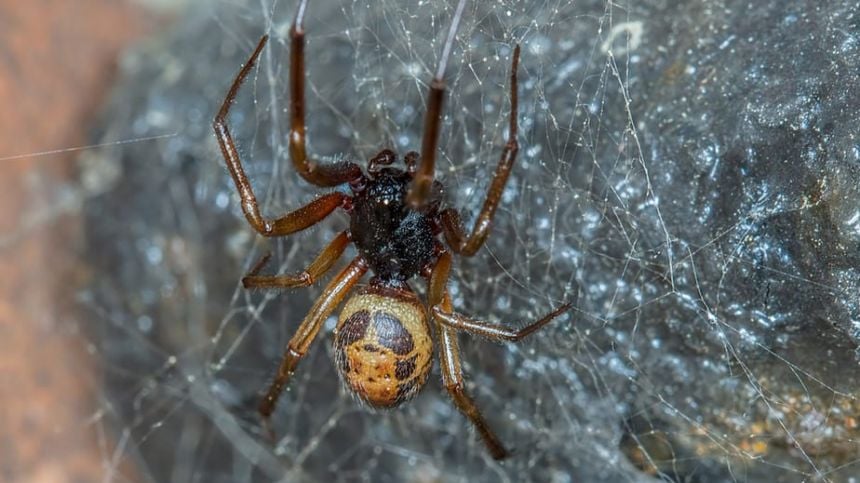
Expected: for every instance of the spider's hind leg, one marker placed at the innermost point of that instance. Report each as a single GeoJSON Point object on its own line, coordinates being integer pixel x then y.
{"type": "Point", "coordinates": [494, 332]}
{"type": "Point", "coordinates": [298, 346]}
{"type": "Point", "coordinates": [449, 359]}
{"type": "Point", "coordinates": [448, 323]}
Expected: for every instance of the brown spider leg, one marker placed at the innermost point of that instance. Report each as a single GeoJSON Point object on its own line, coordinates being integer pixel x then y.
{"type": "Point", "coordinates": [454, 234]}
{"type": "Point", "coordinates": [319, 174]}
{"type": "Point", "coordinates": [495, 332]}
{"type": "Point", "coordinates": [422, 182]}
{"type": "Point", "coordinates": [316, 269]}
{"type": "Point", "coordinates": [449, 359]}
{"type": "Point", "coordinates": [419, 190]}
{"type": "Point", "coordinates": [289, 223]}
{"type": "Point", "coordinates": [298, 346]}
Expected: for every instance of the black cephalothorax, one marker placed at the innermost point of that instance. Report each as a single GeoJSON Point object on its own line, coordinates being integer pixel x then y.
{"type": "Point", "coordinates": [396, 240]}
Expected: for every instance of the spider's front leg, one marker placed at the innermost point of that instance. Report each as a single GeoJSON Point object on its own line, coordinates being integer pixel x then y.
{"type": "Point", "coordinates": [468, 244]}
{"type": "Point", "coordinates": [320, 174]}
{"type": "Point", "coordinates": [448, 323]}
{"type": "Point", "coordinates": [292, 222]}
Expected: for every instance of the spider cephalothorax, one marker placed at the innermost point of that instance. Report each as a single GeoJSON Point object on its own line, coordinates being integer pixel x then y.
{"type": "Point", "coordinates": [383, 344]}
{"type": "Point", "coordinates": [396, 240]}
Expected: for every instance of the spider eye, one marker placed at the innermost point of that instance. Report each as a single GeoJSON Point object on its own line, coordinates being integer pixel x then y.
{"type": "Point", "coordinates": [411, 160]}
{"type": "Point", "coordinates": [384, 158]}
{"type": "Point", "coordinates": [358, 185]}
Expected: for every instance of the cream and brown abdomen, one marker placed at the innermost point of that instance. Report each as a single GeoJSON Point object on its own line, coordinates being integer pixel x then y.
{"type": "Point", "coordinates": [382, 346]}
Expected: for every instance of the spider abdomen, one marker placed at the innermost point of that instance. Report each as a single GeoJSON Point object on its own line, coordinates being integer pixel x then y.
{"type": "Point", "coordinates": [383, 347]}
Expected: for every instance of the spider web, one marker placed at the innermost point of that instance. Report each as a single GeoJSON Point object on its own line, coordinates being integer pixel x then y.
{"type": "Point", "coordinates": [697, 198]}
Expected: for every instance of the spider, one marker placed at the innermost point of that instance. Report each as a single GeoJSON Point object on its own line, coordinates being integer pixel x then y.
{"type": "Point", "coordinates": [383, 344]}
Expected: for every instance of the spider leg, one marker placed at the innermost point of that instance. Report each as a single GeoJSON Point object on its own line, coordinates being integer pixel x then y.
{"type": "Point", "coordinates": [289, 223]}
{"type": "Point", "coordinates": [446, 317]}
{"type": "Point", "coordinates": [449, 359]}
{"type": "Point", "coordinates": [321, 264]}
{"type": "Point", "coordinates": [319, 174]}
{"type": "Point", "coordinates": [494, 332]}
{"type": "Point", "coordinates": [456, 237]}
{"type": "Point", "coordinates": [422, 181]}
{"type": "Point", "coordinates": [452, 376]}
{"type": "Point", "coordinates": [448, 323]}
{"type": "Point", "coordinates": [298, 346]}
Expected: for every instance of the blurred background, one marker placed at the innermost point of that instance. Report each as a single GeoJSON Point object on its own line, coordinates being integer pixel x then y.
{"type": "Point", "coordinates": [60, 63]}
{"type": "Point", "coordinates": [688, 172]}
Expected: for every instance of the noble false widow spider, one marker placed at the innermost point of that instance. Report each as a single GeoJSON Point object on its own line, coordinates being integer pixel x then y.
{"type": "Point", "coordinates": [383, 343]}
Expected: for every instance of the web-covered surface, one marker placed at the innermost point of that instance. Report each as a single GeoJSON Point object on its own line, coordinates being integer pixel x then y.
{"type": "Point", "coordinates": [688, 173]}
